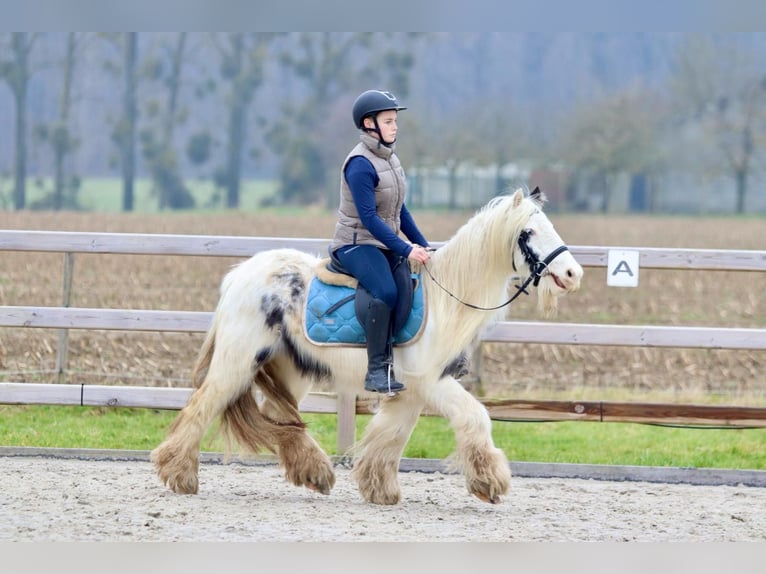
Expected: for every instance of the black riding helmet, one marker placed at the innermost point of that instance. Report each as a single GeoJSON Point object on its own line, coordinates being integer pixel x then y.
{"type": "Point", "coordinates": [371, 102]}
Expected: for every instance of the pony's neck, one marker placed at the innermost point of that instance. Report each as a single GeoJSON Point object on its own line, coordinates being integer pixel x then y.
{"type": "Point", "coordinates": [473, 280]}
{"type": "Point", "coordinates": [475, 267]}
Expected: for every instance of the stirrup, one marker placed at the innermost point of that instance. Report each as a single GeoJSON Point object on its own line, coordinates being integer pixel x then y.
{"type": "Point", "coordinates": [391, 388]}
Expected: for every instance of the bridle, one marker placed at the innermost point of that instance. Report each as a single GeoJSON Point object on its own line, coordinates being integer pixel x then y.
{"type": "Point", "coordinates": [537, 268]}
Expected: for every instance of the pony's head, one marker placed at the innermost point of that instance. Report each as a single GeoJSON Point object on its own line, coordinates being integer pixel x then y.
{"type": "Point", "coordinates": [509, 236]}
{"type": "Point", "coordinates": [538, 250]}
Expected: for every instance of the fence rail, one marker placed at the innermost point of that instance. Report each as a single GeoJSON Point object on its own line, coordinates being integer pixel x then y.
{"type": "Point", "coordinates": [65, 318]}
{"type": "Point", "coordinates": [500, 410]}
{"type": "Point", "coordinates": [502, 331]}
{"type": "Point", "coordinates": [236, 246]}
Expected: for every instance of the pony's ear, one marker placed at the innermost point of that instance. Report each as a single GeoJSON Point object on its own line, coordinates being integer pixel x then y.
{"type": "Point", "coordinates": [517, 198]}
{"type": "Point", "coordinates": [538, 196]}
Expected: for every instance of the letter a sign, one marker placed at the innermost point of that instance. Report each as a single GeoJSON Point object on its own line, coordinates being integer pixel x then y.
{"type": "Point", "coordinates": [622, 268]}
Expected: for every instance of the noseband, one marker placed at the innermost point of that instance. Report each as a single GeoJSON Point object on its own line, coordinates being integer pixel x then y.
{"type": "Point", "coordinates": [537, 269]}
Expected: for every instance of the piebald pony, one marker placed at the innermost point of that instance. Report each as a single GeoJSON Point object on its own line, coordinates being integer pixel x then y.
{"type": "Point", "coordinates": [257, 343]}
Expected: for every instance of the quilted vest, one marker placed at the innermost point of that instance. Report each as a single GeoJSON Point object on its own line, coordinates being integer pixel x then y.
{"type": "Point", "coordinates": [389, 194]}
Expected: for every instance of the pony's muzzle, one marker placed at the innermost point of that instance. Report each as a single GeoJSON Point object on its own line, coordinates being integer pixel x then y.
{"type": "Point", "coordinates": [568, 278]}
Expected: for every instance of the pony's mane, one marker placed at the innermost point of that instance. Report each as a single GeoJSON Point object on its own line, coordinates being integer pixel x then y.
{"type": "Point", "coordinates": [501, 218]}
{"type": "Point", "coordinates": [482, 248]}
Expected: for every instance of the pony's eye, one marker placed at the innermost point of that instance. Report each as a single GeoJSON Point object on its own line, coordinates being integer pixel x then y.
{"type": "Point", "coordinates": [529, 232]}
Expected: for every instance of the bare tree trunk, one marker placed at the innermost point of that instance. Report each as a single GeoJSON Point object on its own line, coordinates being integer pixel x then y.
{"type": "Point", "coordinates": [130, 116]}
{"type": "Point", "coordinates": [175, 88]}
{"type": "Point", "coordinates": [236, 128]}
{"type": "Point", "coordinates": [741, 172]}
{"type": "Point", "coordinates": [20, 164]}
{"type": "Point", "coordinates": [234, 159]}
{"type": "Point", "coordinates": [19, 84]}
{"type": "Point", "coordinates": [452, 182]}
{"type": "Point", "coordinates": [172, 107]}
{"type": "Point", "coordinates": [740, 177]}
{"type": "Point", "coordinates": [606, 182]}
{"type": "Point", "coordinates": [61, 143]}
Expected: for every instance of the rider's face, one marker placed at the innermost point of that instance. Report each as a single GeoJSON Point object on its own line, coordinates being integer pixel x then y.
{"type": "Point", "coordinates": [387, 124]}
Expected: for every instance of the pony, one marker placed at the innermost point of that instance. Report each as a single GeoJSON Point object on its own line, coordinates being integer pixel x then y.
{"type": "Point", "coordinates": [256, 363]}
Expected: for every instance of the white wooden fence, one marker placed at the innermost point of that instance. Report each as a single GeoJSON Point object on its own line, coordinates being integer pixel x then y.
{"type": "Point", "coordinates": [65, 318]}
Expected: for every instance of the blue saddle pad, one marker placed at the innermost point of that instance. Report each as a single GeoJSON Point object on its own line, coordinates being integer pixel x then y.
{"type": "Point", "coordinates": [327, 321]}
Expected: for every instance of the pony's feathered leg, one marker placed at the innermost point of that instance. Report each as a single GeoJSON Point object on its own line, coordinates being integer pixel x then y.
{"type": "Point", "coordinates": [377, 455]}
{"type": "Point", "coordinates": [486, 469]}
{"type": "Point", "coordinates": [304, 461]}
{"type": "Point", "coordinates": [224, 372]}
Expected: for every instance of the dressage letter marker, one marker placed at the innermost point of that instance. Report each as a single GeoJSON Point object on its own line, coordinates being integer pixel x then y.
{"type": "Point", "coordinates": [622, 268]}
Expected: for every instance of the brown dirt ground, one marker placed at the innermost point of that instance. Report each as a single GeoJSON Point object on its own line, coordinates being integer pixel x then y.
{"type": "Point", "coordinates": [664, 297]}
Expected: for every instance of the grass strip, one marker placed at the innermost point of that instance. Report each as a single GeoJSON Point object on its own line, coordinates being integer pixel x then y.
{"type": "Point", "coordinates": [565, 442]}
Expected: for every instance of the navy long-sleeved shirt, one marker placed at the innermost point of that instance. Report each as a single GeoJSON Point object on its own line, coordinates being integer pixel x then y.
{"type": "Point", "coordinates": [362, 180]}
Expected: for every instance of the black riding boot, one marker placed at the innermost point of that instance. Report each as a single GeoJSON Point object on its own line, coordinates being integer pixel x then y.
{"type": "Point", "coordinates": [380, 372]}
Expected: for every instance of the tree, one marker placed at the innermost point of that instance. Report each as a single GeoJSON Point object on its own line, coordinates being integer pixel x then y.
{"type": "Point", "coordinates": [242, 62]}
{"type": "Point", "coordinates": [333, 67]}
{"type": "Point", "coordinates": [616, 134]}
{"type": "Point", "coordinates": [157, 136]}
{"type": "Point", "coordinates": [15, 70]}
{"type": "Point", "coordinates": [489, 132]}
{"type": "Point", "coordinates": [720, 89]}
{"type": "Point", "coordinates": [741, 124]}
{"type": "Point", "coordinates": [126, 136]}
{"type": "Point", "coordinates": [57, 134]}
{"type": "Point", "coordinates": [125, 126]}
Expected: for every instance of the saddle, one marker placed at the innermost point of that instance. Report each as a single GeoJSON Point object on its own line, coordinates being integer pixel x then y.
{"type": "Point", "coordinates": [336, 306]}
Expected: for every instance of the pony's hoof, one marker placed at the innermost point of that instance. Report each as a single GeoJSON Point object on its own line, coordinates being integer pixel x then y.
{"type": "Point", "coordinates": [486, 498]}
{"type": "Point", "coordinates": [184, 485]}
{"type": "Point", "coordinates": [186, 482]}
{"type": "Point", "coordinates": [320, 479]}
{"type": "Point", "coordinates": [322, 483]}
{"type": "Point", "coordinates": [486, 492]}
{"type": "Point", "coordinates": [321, 489]}
{"type": "Point", "coordinates": [384, 499]}
{"type": "Point", "coordinates": [180, 474]}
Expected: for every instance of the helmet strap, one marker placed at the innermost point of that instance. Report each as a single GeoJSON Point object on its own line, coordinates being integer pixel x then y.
{"type": "Point", "coordinates": [376, 130]}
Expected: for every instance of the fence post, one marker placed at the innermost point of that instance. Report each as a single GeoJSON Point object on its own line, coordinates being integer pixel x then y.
{"type": "Point", "coordinates": [346, 407]}
{"type": "Point", "coordinates": [63, 343]}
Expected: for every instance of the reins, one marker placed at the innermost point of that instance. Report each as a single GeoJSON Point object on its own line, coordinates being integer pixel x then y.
{"type": "Point", "coordinates": [536, 270]}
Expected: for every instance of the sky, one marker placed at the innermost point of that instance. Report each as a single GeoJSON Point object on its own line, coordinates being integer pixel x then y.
{"type": "Point", "coordinates": [393, 15]}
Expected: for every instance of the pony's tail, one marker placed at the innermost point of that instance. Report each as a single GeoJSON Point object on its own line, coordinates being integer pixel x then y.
{"type": "Point", "coordinates": [244, 422]}
{"type": "Point", "coordinates": [204, 357]}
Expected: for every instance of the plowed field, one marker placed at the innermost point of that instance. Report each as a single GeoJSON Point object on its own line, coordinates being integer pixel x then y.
{"type": "Point", "coordinates": [664, 297]}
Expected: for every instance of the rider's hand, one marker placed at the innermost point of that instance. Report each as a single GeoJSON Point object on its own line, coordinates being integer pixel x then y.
{"type": "Point", "coordinates": [419, 254]}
